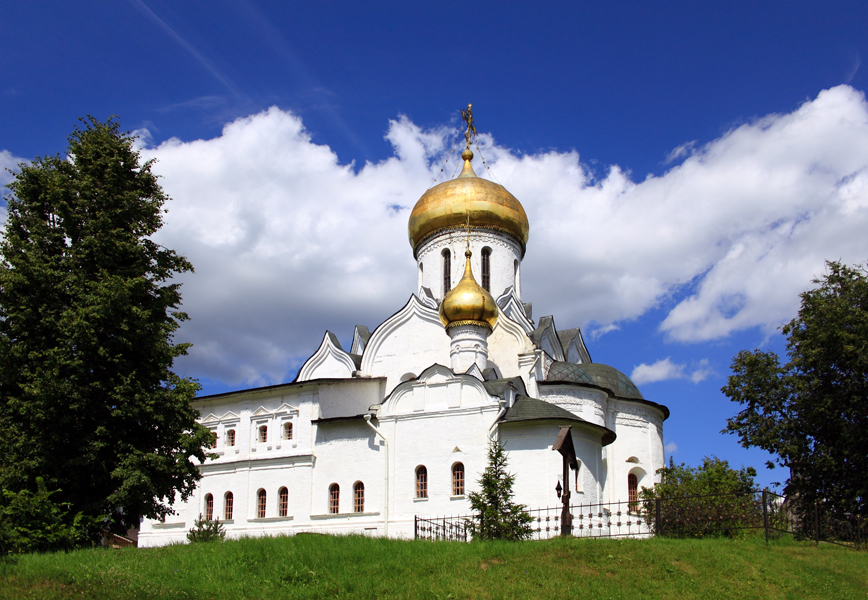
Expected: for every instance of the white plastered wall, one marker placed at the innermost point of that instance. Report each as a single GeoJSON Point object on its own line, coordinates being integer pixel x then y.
{"type": "Point", "coordinates": [505, 255]}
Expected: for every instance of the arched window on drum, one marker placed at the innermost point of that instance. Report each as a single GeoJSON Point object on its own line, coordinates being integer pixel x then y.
{"type": "Point", "coordinates": [486, 269]}
{"type": "Point", "coordinates": [447, 272]}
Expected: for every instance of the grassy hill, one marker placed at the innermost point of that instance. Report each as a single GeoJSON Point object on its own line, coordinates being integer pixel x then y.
{"type": "Point", "coordinates": [315, 566]}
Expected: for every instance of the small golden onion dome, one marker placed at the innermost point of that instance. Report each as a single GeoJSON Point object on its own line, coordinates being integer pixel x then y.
{"type": "Point", "coordinates": [446, 206]}
{"type": "Point", "coordinates": [468, 303]}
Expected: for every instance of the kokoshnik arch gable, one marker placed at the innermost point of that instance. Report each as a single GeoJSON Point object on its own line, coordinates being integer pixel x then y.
{"type": "Point", "coordinates": [363, 440]}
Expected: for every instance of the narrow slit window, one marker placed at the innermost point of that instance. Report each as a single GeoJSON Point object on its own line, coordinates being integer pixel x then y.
{"type": "Point", "coordinates": [447, 272]}
{"type": "Point", "coordinates": [458, 479]}
{"type": "Point", "coordinates": [230, 437]}
{"type": "Point", "coordinates": [283, 502]}
{"type": "Point", "coordinates": [287, 431]}
{"type": "Point", "coordinates": [227, 506]}
{"type": "Point", "coordinates": [209, 507]}
{"type": "Point", "coordinates": [260, 504]}
{"type": "Point", "coordinates": [334, 498]}
{"type": "Point", "coordinates": [359, 497]}
{"type": "Point", "coordinates": [486, 269]}
{"type": "Point", "coordinates": [263, 433]}
{"type": "Point", "coordinates": [421, 482]}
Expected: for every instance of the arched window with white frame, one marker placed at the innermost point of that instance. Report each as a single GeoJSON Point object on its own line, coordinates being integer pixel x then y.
{"type": "Point", "coordinates": [421, 482]}
{"type": "Point", "coordinates": [633, 492]}
{"type": "Point", "coordinates": [359, 497]}
{"type": "Point", "coordinates": [260, 504]}
{"type": "Point", "coordinates": [228, 501]}
{"type": "Point", "coordinates": [287, 430]}
{"type": "Point", "coordinates": [209, 507]}
{"type": "Point", "coordinates": [334, 498]}
{"type": "Point", "coordinates": [458, 479]}
{"type": "Point", "coordinates": [282, 502]}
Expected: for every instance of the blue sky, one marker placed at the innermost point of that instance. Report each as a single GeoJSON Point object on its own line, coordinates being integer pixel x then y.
{"type": "Point", "coordinates": [690, 165]}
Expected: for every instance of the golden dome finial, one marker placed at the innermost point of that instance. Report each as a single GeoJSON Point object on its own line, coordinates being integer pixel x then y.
{"type": "Point", "coordinates": [468, 303]}
{"type": "Point", "coordinates": [491, 206]}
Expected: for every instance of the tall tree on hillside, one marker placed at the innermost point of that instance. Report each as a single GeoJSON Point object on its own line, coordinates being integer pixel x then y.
{"type": "Point", "coordinates": [812, 412]}
{"type": "Point", "coordinates": [495, 515]}
{"type": "Point", "coordinates": [88, 400]}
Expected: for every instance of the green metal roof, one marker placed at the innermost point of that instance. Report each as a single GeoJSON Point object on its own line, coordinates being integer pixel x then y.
{"type": "Point", "coordinates": [600, 375]}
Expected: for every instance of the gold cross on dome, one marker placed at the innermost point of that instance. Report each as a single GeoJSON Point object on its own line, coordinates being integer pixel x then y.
{"type": "Point", "coordinates": [468, 230]}
{"type": "Point", "coordinates": [467, 115]}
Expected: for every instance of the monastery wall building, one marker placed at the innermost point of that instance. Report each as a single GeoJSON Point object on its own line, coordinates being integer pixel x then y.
{"type": "Point", "coordinates": [399, 424]}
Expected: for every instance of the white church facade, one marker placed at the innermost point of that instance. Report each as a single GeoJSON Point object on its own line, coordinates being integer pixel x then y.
{"type": "Point", "coordinates": [399, 424]}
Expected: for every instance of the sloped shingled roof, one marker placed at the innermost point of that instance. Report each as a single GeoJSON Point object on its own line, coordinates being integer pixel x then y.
{"type": "Point", "coordinates": [597, 374]}
{"type": "Point", "coordinates": [531, 409]}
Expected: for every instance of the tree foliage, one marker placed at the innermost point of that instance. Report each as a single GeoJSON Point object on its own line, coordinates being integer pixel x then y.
{"type": "Point", "coordinates": [812, 412]}
{"type": "Point", "coordinates": [495, 515]}
{"type": "Point", "coordinates": [712, 499]}
{"type": "Point", "coordinates": [88, 400]}
{"type": "Point", "coordinates": [35, 522]}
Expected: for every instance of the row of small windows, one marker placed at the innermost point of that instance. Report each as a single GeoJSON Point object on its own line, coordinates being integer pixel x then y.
{"type": "Point", "coordinates": [334, 495]}
{"type": "Point", "coordinates": [447, 270]}
{"type": "Point", "coordinates": [261, 503]}
{"type": "Point", "coordinates": [457, 480]}
{"type": "Point", "coordinates": [358, 498]}
{"type": "Point", "coordinates": [261, 434]}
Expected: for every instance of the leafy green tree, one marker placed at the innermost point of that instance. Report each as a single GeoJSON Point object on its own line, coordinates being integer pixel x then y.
{"type": "Point", "coordinates": [206, 531]}
{"type": "Point", "coordinates": [495, 515]}
{"type": "Point", "coordinates": [88, 399]}
{"type": "Point", "coordinates": [34, 522]}
{"type": "Point", "coordinates": [712, 499]}
{"type": "Point", "coordinates": [812, 413]}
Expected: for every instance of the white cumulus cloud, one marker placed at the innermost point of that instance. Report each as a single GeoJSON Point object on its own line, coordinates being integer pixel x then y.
{"type": "Point", "coordinates": [288, 240]}
{"type": "Point", "coordinates": [660, 371]}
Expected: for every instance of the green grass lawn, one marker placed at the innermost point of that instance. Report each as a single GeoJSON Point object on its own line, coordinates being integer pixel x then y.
{"type": "Point", "coordinates": [316, 566]}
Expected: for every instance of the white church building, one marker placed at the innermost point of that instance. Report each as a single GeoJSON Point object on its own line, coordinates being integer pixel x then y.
{"type": "Point", "coordinates": [398, 425]}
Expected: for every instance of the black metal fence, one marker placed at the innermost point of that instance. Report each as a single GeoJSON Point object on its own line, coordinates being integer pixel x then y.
{"type": "Point", "coordinates": [720, 515]}
{"type": "Point", "coordinates": [441, 528]}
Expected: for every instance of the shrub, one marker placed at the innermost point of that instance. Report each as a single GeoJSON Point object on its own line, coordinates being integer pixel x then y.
{"type": "Point", "coordinates": [206, 531]}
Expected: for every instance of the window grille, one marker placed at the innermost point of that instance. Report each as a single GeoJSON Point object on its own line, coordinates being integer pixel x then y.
{"type": "Point", "coordinates": [334, 498]}
{"type": "Point", "coordinates": [260, 504]}
{"type": "Point", "coordinates": [209, 507]}
{"type": "Point", "coordinates": [359, 497]}
{"type": "Point", "coordinates": [287, 431]}
{"type": "Point", "coordinates": [230, 437]}
{"type": "Point", "coordinates": [227, 506]}
{"type": "Point", "coordinates": [447, 272]}
{"type": "Point", "coordinates": [486, 269]}
{"type": "Point", "coordinates": [458, 479]}
{"type": "Point", "coordinates": [263, 433]}
{"type": "Point", "coordinates": [633, 491]}
{"type": "Point", "coordinates": [283, 504]}
{"type": "Point", "coordinates": [421, 482]}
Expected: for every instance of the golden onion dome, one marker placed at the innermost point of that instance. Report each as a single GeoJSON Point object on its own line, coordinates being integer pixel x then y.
{"type": "Point", "coordinates": [446, 206]}
{"type": "Point", "coordinates": [468, 303]}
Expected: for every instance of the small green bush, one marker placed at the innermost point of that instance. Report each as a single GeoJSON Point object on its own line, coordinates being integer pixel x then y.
{"type": "Point", "coordinates": [206, 531]}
